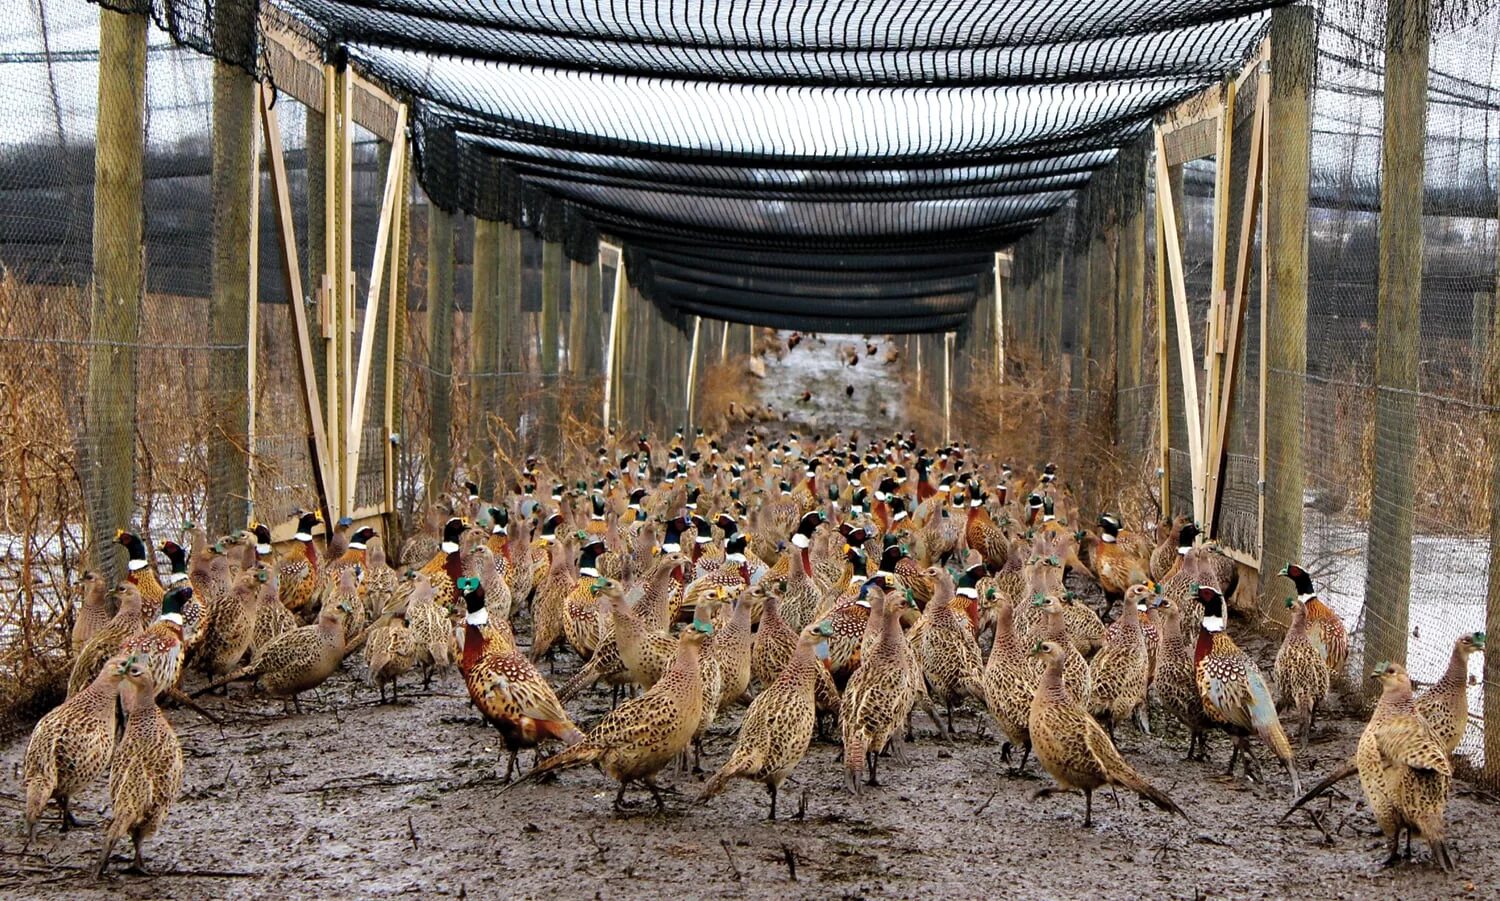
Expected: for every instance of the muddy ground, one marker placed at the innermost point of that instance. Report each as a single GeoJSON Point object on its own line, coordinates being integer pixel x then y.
{"type": "Point", "coordinates": [356, 799]}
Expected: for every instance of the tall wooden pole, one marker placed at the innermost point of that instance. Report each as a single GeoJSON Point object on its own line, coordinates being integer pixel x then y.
{"type": "Point", "coordinates": [1491, 399]}
{"type": "Point", "coordinates": [485, 325]}
{"type": "Point", "coordinates": [119, 280]}
{"type": "Point", "coordinates": [552, 291]}
{"type": "Point", "coordinates": [1388, 580]}
{"type": "Point", "coordinates": [1293, 57]}
{"type": "Point", "coordinates": [690, 401]}
{"type": "Point", "coordinates": [439, 346]}
{"type": "Point", "coordinates": [234, 101]}
{"type": "Point", "coordinates": [511, 327]}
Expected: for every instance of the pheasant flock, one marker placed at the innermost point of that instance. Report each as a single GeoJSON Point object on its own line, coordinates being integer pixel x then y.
{"type": "Point", "coordinates": [837, 587]}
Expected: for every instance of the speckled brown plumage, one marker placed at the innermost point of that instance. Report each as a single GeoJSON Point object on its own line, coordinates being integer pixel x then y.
{"type": "Point", "coordinates": [878, 698]}
{"type": "Point", "coordinates": [1119, 669]}
{"type": "Point", "coordinates": [1445, 703]}
{"type": "Point", "coordinates": [106, 642]}
{"type": "Point", "coordinates": [633, 742]}
{"type": "Point", "coordinates": [145, 772]}
{"type": "Point", "coordinates": [1009, 683]}
{"type": "Point", "coordinates": [94, 612]}
{"type": "Point", "coordinates": [1403, 769]}
{"type": "Point", "coordinates": [778, 727]}
{"type": "Point", "coordinates": [70, 746]}
{"type": "Point", "coordinates": [1300, 674]}
{"type": "Point", "coordinates": [1073, 747]}
{"type": "Point", "coordinates": [390, 653]}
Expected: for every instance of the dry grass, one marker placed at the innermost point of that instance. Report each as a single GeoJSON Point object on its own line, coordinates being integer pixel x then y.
{"type": "Point", "coordinates": [719, 386]}
{"type": "Point", "coordinates": [1028, 420]}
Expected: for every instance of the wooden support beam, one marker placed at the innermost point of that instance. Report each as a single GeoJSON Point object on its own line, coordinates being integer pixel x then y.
{"type": "Point", "coordinates": [1236, 305]}
{"type": "Point", "coordinates": [690, 400]}
{"type": "Point", "coordinates": [385, 229]}
{"type": "Point", "coordinates": [234, 109]}
{"type": "Point", "coordinates": [612, 347]}
{"type": "Point", "coordinates": [578, 317]}
{"type": "Point", "coordinates": [292, 270]}
{"type": "Point", "coordinates": [485, 325]}
{"type": "Point", "coordinates": [549, 410]}
{"type": "Point", "coordinates": [119, 281]}
{"type": "Point", "coordinates": [1388, 583]}
{"type": "Point", "coordinates": [947, 387]}
{"type": "Point", "coordinates": [395, 354]}
{"type": "Point", "coordinates": [440, 260]}
{"type": "Point", "coordinates": [1131, 296]}
{"type": "Point", "coordinates": [1398, 332]}
{"type": "Point", "coordinates": [1490, 397]}
{"type": "Point", "coordinates": [1167, 211]}
{"type": "Point", "coordinates": [512, 382]}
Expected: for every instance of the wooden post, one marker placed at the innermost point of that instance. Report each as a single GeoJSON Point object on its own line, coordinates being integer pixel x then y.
{"type": "Point", "coordinates": [509, 382]}
{"type": "Point", "coordinates": [612, 346]}
{"type": "Point", "coordinates": [485, 327]}
{"type": "Point", "coordinates": [395, 350]}
{"type": "Point", "coordinates": [578, 316]}
{"type": "Point", "coordinates": [1491, 398]}
{"type": "Point", "coordinates": [552, 291]}
{"type": "Point", "coordinates": [119, 280]}
{"type": "Point", "coordinates": [1130, 294]}
{"type": "Point", "coordinates": [439, 347]}
{"type": "Point", "coordinates": [1388, 580]}
{"type": "Point", "coordinates": [947, 387]}
{"type": "Point", "coordinates": [234, 100]}
{"type": "Point", "coordinates": [594, 324]}
{"type": "Point", "coordinates": [690, 402]}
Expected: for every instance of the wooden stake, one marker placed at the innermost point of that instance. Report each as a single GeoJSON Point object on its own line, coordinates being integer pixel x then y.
{"type": "Point", "coordinates": [119, 280]}
{"type": "Point", "coordinates": [292, 270]}
{"type": "Point", "coordinates": [1388, 579]}
{"type": "Point", "coordinates": [439, 347]}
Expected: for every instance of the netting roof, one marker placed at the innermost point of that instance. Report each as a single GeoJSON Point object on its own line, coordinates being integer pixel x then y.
{"type": "Point", "coordinates": [784, 162]}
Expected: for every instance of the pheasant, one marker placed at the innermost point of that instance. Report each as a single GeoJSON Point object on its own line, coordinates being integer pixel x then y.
{"type": "Point", "coordinates": [378, 584]}
{"type": "Point", "coordinates": [1077, 675]}
{"type": "Point", "coordinates": [1300, 674]}
{"type": "Point", "coordinates": [142, 574]}
{"type": "Point", "coordinates": [636, 740]}
{"type": "Point", "coordinates": [506, 687]}
{"type": "Point", "coordinates": [232, 623]}
{"type": "Point", "coordinates": [947, 653]}
{"type": "Point", "coordinates": [1009, 684]}
{"type": "Point", "coordinates": [1119, 669]}
{"type": "Point", "coordinates": [446, 566]}
{"type": "Point", "coordinates": [779, 725]}
{"type": "Point", "coordinates": [145, 772]}
{"type": "Point", "coordinates": [773, 646]}
{"type": "Point", "coordinates": [432, 639]}
{"type": "Point", "coordinates": [299, 565]}
{"type": "Point", "coordinates": [390, 653]}
{"type": "Point", "coordinates": [878, 699]}
{"type": "Point", "coordinates": [1403, 769]}
{"type": "Point", "coordinates": [106, 642]}
{"type": "Point", "coordinates": [1445, 704]}
{"type": "Point", "coordinates": [94, 613]}
{"type": "Point", "coordinates": [1164, 558]}
{"type": "Point", "coordinates": [297, 661]}
{"type": "Point", "coordinates": [1325, 629]}
{"type": "Point", "coordinates": [1235, 696]}
{"type": "Point", "coordinates": [1114, 566]}
{"type": "Point", "coordinates": [70, 747]}
{"type": "Point", "coordinates": [271, 616]}
{"type": "Point", "coordinates": [731, 645]}
{"type": "Point", "coordinates": [1073, 747]}
{"type": "Point", "coordinates": [161, 645]}
{"type": "Point", "coordinates": [1176, 684]}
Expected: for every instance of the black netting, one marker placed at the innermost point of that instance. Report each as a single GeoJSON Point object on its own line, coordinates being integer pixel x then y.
{"type": "Point", "coordinates": [874, 128]}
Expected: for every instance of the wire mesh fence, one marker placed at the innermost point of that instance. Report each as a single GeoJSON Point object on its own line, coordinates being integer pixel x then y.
{"type": "Point", "coordinates": [1332, 397]}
